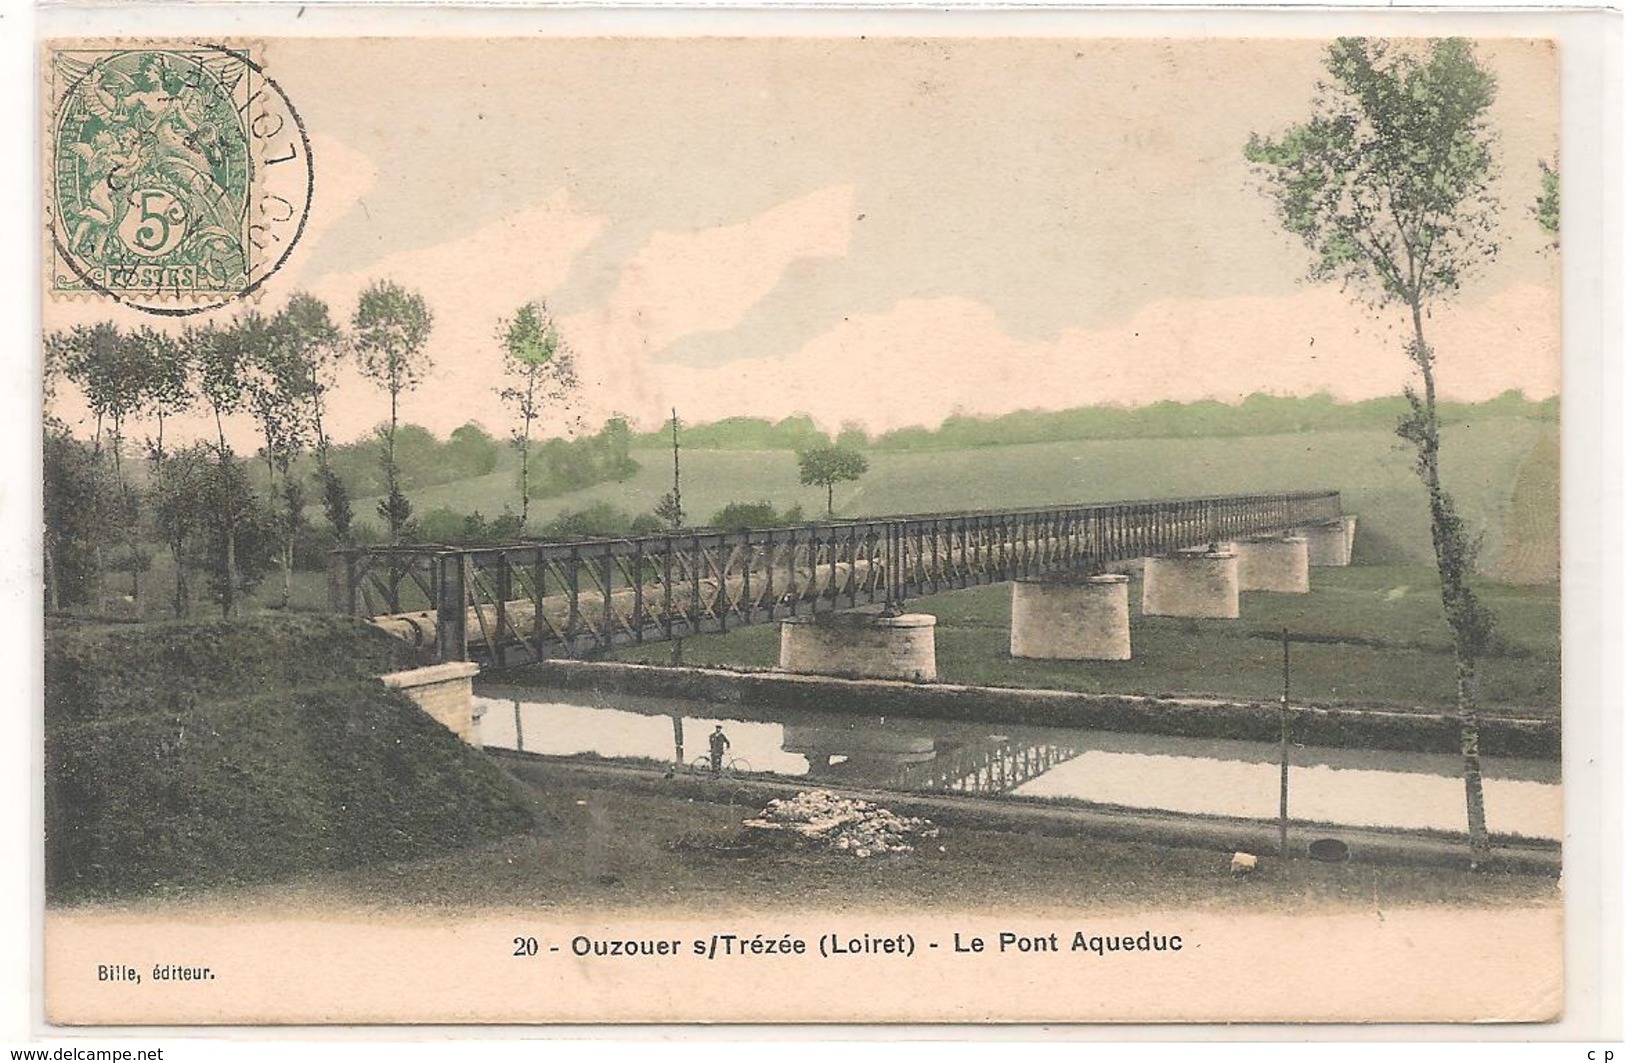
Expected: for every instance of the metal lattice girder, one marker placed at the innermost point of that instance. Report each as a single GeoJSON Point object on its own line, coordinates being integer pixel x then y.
{"type": "Point", "coordinates": [571, 599]}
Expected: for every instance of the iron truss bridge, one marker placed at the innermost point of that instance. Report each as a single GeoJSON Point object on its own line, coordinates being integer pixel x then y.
{"type": "Point", "coordinates": [529, 602]}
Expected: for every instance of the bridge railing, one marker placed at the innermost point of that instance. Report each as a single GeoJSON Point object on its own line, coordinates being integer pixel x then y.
{"type": "Point", "coordinates": [531, 601]}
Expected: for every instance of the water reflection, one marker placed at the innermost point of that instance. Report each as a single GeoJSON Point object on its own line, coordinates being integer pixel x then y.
{"type": "Point", "coordinates": [1211, 776]}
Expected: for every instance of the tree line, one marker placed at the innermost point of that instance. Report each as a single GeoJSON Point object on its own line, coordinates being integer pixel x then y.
{"type": "Point", "coordinates": [123, 488]}
{"type": "Point", "coordinates": [1258, 414]}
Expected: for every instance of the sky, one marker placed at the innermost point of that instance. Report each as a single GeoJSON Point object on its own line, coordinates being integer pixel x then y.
{"type": "Point", "coordinates": [882, 231]}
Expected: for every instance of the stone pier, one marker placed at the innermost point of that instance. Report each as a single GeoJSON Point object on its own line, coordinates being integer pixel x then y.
{"type": "Point", "coordinates": [1070, 619]}
{"type": "Point", "coordinates": [445, 692]}
{"type": "Point", "coordinates": [1192, 585]}
{"type": "Point", "coordinates": [861, 645]}
{"type": "Point", "coordinates": [1274, 564]}
{"type": "Point", "coordinates": [1331, 544]}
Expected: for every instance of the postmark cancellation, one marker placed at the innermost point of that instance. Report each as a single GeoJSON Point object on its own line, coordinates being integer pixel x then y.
{"type": "Point", "coordinates": [178, 175]}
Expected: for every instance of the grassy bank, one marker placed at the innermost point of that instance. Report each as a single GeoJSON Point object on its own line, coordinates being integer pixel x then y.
{"type": "Point", "coordinates": [623, 846]}
{"type": "Point", "coordinates": [1379, 639]}
{"type": "Point", "coordinates": [183, 756]}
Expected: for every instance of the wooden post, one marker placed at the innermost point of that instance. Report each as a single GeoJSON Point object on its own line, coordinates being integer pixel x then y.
{"type": "Point", "coordinates": [341, 596]}
{"type": "Point", "coordinates": [504, 590]}
{"type": "Point", "coordinates": [451, 611]}
{"type": "Point", "coordinates": [1286, 727]}
{"type": "Point", "coordinates": [638, 619]}
{"type": "Point", "coordinates": [538, 578]}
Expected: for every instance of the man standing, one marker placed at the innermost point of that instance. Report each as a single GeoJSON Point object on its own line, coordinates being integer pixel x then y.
{"type": "Point", "coordinates": [719, 745]}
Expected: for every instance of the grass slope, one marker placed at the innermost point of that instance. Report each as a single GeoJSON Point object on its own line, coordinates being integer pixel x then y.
{"type": "Point", "coordinates": [1380, 634]}
{"type": "Point", "coordinates": [1530, 553]}
{"type": "Point", "coordinates": [186, 755]}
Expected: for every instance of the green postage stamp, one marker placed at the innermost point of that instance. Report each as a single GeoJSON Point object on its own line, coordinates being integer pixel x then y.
{"type": "Point", "coordinates": [163, 188]}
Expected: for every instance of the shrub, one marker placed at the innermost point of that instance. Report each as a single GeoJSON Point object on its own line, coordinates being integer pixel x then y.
{"type": "Point", "coordinates": [738, 516]}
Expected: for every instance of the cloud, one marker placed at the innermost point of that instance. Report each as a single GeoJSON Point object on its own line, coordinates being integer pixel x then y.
{"type": "Point", "coordinates": [704, 281]}
{"type": "Point", "coordinates": [675, 285]}
{"type": "Point", "coordinates": [470, 284]}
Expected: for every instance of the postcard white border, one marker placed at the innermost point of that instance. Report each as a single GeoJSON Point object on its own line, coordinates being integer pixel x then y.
{"type": "Point", "coordinates": [1593, 410]}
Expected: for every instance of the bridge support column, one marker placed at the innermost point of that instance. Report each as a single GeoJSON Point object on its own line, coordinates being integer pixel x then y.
{"type": "Point", "coordinates": [1332, 544]}
{"type": "Point", "coordinates": [1276, 564]}
{"type": "Point", "coordinates": [1070, 620]}
{"type": "Point", "coordinates": [1192, 585]}
{"type": "Point", "coordinates": [860, 645]}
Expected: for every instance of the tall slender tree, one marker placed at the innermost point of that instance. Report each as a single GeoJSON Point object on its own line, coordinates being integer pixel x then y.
{"type": "Point", "coordinates": [168, 392]}
{"type": "Point", "coordinates": [1388, 184]}
{"type": "Point", "coordinates": [113, 373]}
{"type": "Point", "coordinates": [669, 509]}
{"type": "Point", "coordinates": [321, 346]}
{"type": "Point", "coordinates": [390, 327]}
{"type": "Point", "coordinates": [541, 373]}
{"type": "Point", "coordinates": [278, 389]}
{"type": "Point", "coordinates": [222, 356]}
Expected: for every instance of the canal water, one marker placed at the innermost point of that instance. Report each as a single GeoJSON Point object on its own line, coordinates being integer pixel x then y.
{"type": "Point", "coordinates": [1357, 788]}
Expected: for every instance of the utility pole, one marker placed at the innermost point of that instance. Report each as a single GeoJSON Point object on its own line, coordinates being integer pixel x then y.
{"type": "Point", "coordinates": [676, 471]}
{"type": "Point", "coordinates": [677, 522]}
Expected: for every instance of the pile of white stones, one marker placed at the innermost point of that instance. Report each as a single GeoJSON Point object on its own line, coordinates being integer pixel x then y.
{"type": "Point", "coordinates": [819, 819]}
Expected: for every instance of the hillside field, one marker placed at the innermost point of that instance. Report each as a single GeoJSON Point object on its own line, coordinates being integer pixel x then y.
{"type": "Point", "coordinates": [1485, 464]}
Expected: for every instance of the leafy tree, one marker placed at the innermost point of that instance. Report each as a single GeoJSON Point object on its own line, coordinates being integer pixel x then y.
{"type": "Point", "coordinates": [240, 536]}
{"type": "Point", "coordinates": [469, 451]}
{"type": "Point", "coordinates": [319, 345]}
{"type": "Point", "coordinates": [827, 466]}
{"type": "Point", "coordinates": [222, 356]}
{"type": "Point", "coordinates": [853, 436]}
{"type": "Point", "coordinates": [335, 502]}
{"type": "Point", "coordinates": [540, 371]}
{"type": "Point", "coordinates": [181, 512]}
{"type": "Point", "coordinates": [278, 387]}
{"type": "Point", "coordinates": [105, 365]}
{"type": "Point", "coordinates": [614, 445]}
{"type": "Point", "coordinates": [79, 497]}
{"type": "Point", "coordinates": [1387, 183]}
{"type": "Point", "coordinates": [112, 371]}
{"type": "Point", "coordinates": [167, 387]}
{"type": "Point", "coordinates": [390, 327]}
{"type": "Point", "coordinates": [1548, 214]}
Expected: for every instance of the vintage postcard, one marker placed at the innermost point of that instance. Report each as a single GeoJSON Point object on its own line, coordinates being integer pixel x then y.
{"type": "Point", "coordinates": [925, 522]}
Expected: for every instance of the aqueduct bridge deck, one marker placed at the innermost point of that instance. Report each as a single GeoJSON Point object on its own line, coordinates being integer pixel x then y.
{"type": "Point", "coordinates": [527, 602]}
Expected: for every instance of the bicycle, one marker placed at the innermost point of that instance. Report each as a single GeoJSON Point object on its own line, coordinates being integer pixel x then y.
{"type": "Point", "coordinates": [701, 765]}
